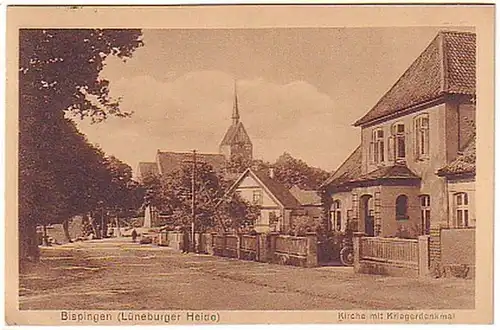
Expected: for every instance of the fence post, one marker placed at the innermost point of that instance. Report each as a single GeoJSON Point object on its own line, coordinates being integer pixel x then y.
{"type": "Point", "coordinates": [312, 250]}
{"type": "Point", "coordinates": [271, 246]}
{"type": "Point", "coordinates": [435, 248]}
{"type": "Point", "coordinates": [356, 240]}
{"type": "Point", "coordinates": [238, 245]}
{"type": "Point", "coordinates": [208, 243]}
{"type": "Point", "coordinates": [224, 244]}
{"type": "Point", "coordinates": [423, 255]}
{"type": "Point", "coordinates": [261, 247]}
{"type": "Point", "coordinates": [197, 242]}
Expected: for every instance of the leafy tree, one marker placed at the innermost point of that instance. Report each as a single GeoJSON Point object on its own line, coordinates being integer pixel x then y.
{"type": "Point", "coordinates": [58, 75]}
{"type": "Point", "coordinates": [153, 192]}
{"type": "Point", "coordinates": [121, 193]}
{"type": "Point", "coordinates": [236, 213]}
{"type": "Point", "coordinates": [213, 209]}
{"type": "Point", "coordinates": [177, 190]}
{"type": "Point", "coordinates": [291, 171]}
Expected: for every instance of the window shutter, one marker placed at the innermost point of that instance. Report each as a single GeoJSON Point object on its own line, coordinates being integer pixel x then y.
{"type": "Point", "coordinates": [426, 142]}
{"type": "Point", "coordinates": [390, 148]}
{"type": "Point", "coordinates": [371, 152]}
{"type": "Point", "coordinates": [418, 141]}
{"type": "Point", "coordinates": [409, 146]}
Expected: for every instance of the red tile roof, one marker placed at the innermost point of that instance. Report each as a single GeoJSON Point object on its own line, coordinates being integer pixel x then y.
{"type": "Point", "coordinates": [394, 172]}
{"type": "Point", "coordinates": [464, 164]}
{"type": "Point", "coordinates": [306, 197]}
{"type": "Point", "coordinates": [350, 173]}
{"type": "Point", "coordinates": [349, 170]}
{"type": "Point", "coordinates": [147, 168]}
{"type": "Point", "coordinates": [172, 161]}
{"type": "Point", "coordinates": [278, 190]}
{"type": "Point", "coordinates": [446, 66]}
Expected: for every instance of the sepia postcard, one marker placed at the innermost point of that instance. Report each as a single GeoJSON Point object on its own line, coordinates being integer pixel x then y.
{"type": "Point", "coordinates": [249, 164]}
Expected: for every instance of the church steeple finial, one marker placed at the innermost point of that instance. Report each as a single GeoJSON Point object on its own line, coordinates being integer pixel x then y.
{"type": "Point", "coordinates": [236, 114]}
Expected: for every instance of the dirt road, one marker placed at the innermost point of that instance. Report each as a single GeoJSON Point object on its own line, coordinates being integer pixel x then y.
{"type": "Point", "coordinates": [116, 274]}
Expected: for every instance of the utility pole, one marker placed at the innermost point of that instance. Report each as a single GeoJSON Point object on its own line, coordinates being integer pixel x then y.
{"type": "Point", "coordinates": [193, 201]}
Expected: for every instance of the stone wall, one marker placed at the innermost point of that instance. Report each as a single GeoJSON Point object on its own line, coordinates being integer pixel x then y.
{"type": "Point", "coordinates": [452, 252]}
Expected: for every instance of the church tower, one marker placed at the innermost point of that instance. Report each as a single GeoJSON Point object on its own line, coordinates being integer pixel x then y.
{"type": "Point", "coordinates": [236, 144]}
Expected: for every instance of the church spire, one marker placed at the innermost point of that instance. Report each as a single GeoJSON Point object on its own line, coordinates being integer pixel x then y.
{"type": "Point", "coordinates": [236, 114]}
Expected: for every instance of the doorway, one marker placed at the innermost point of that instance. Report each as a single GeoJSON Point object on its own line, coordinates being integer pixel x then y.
{"type": "Point", "coordinates": [366, 214]}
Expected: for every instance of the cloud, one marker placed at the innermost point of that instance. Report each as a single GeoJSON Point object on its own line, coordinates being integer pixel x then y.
{"type": "Point", "coordinates": [193, 111]}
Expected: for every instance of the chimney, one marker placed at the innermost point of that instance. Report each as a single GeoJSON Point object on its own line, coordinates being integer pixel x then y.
{"type": "Point", "coordinates": [271, 172]}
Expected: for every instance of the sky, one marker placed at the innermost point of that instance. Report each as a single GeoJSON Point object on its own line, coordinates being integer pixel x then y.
{"type": "Point", "coordinates": [299, 89]}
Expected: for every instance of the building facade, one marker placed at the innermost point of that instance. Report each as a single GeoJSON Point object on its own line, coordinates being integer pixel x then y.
{"type": "Point", "coordinates": [403, 178]}
{"type": "Point", "coordinates": [277, 205]}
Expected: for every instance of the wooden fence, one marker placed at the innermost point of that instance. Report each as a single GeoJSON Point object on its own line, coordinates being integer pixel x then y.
{"type": "Point", "coordinates": [290, 250]}
{"type": "Point", "coordinates": [248, 247]}
{"type": "Point", "coordinates": [287, 250]}
{"type": "Point", "coordinates": [391, 256]}
{"type": "Point", "coordinates": [391, 250]}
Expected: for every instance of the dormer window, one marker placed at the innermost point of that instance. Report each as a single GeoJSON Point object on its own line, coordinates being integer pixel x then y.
{"type": "Point", "coordinates": [422, 136]}
{"type": "Point", "coordinates": [397, 142]}
{"type": "Point", "coordinates": [377, 146]}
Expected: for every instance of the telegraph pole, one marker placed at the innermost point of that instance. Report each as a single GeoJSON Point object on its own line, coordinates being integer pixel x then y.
{"type": "Point", "coordinates": [193, 201]}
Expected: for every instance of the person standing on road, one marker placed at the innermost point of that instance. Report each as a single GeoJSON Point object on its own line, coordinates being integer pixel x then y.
{"type": "Point", "coordinates": [134, 235]}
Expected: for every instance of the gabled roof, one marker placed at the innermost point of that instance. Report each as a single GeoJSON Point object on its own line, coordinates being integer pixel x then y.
{"type": "Point", "coordinates": [306, 197]}
{"type": "Point", "coordinates": [147, 168]}
{"type": "Point", "coordinates": [173, 161]}
{"type": "Point", "coordinates": [236, 133]}
{"type": "Point", "coordinates": [277, 191]}
{"type": "Point", "coordinates": [349, 170]}
{"type": "Point", "coordinates": [464, 164]}
{"type": "Point", "coordinates": [394, 172]}
{"type": "Point", "coordinates": [446, 66]}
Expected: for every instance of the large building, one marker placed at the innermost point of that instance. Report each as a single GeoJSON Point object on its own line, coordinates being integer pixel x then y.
{"type": "Point", "coordinates": [415, 166]}
{"type": "Point", "coordinates": [236, 145]}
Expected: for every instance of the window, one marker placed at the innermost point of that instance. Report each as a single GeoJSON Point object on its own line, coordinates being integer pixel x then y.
{"type": "Point", "coordinates": [336, 216]}
{"type": "Point", "coordinates": [397, 142]}
{"type": "Point", "coordinates": [425, 212]}
{"type": "Point", "coordinates": [462, 210]}
{"type": "Point", "coordinates": [402, 207]}
{"type": "Point", "coordinates": [272, 218]}
{"type": "Point", "coordinates": [257, 197]}
{"type": "Point", "coordinates": [377, 146]}
{"type": "Point", "coordinates": [422, 136]}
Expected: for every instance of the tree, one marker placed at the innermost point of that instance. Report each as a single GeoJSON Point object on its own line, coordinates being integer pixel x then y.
{"type": "Point", "coordinates": [177, 190]}
{"type": "Point", "coordinates": [291, 171]}
{"type": "Point", "coordinates": [236, 214]}
{"type": "Point", "coordinates": [153, 192]}
{"type": "Point", "coordinates": [238, 164]}
{"type": "Point", "coordinates": [58, 75]}
{"type": "Point", "coordinates": [213, 208]}
{"type": "Point", "coordinates": [120, 192]}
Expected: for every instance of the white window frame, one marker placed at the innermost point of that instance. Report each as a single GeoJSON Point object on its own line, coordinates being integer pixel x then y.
{"type": "Point", "coordinates": [422, 124]}
{"type": "Point", "coordinates": [425, 213]}
{"type": "Point", "coordinates": [377, 146]}
{"type": "Point", "coordinates": [397, 137]}
{"type": "Point", "coordinates": [336, 215]}
{"type": "Point", "coordinates": [462, 210]}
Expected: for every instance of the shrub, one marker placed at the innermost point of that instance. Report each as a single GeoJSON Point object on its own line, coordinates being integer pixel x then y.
{"type": "Point", "coordinates": [305, 224]}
